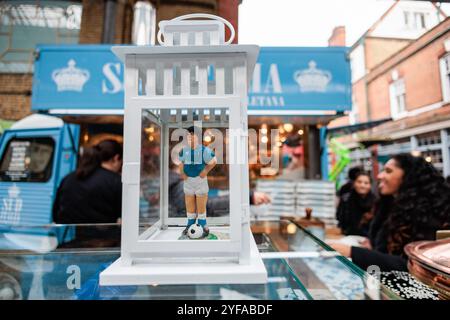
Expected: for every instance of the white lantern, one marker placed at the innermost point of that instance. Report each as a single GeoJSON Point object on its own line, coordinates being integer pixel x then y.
{"type": "Point", "coordinates": [193, 78]}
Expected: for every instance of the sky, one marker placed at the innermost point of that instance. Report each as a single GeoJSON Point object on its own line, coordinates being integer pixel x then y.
{"type": "Point", "coordinates": [307, 22]}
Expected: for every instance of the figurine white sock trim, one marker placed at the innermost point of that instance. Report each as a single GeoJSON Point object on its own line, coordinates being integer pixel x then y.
{"type": "Point", "coordinates": [202, 219]}
{"type": "Point", "coordinates": [191, 218]}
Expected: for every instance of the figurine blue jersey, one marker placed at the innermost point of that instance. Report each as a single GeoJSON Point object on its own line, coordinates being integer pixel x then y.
{"type": "Point", "coordinates": [195, 160]}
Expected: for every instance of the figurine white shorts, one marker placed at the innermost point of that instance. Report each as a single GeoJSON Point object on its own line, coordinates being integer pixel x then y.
{"type": "Point", "coordinates": [196, 186]}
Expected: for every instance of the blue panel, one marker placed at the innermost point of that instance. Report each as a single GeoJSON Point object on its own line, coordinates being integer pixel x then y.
{"type": "Point", "coordinates": [301, 79]}
{"type": "Point", "coordinates": [67, 155]}
{"type": "Point", "coordinates": [285, 79]}
{"type": "Point", "coordinates": [77, 77]}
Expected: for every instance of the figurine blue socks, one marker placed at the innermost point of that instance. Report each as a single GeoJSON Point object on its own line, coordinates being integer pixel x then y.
{"type": "Point", "coordinates": [191, 219]}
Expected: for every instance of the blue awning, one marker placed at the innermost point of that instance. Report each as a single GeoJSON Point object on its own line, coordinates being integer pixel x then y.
{"type": "Point", "coordinates": [88, 79]}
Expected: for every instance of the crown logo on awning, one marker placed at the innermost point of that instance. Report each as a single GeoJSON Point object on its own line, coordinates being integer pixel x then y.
{"type": "Point", "coordinates": [312, 79]}
{"type": "Point", "coordinates": [70, 78]}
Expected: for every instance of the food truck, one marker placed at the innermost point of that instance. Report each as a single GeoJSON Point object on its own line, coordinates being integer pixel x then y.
{"type": "Point", "coordinates": [77, 101]}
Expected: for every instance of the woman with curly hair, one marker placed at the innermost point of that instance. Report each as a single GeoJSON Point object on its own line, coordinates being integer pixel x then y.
{"type": "Point", "coordinates": [414, 203]}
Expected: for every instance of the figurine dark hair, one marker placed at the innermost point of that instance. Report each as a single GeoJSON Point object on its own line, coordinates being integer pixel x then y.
{"type": "Point", "coordinates": [194, 129]}
{"type": "Point", "coordinates": [421, 206]}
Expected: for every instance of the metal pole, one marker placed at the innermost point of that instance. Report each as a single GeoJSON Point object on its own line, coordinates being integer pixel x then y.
{"type": "Point", "coordinates": [109, 23]}
{"type": "Point", "coordinates": [313, 170]}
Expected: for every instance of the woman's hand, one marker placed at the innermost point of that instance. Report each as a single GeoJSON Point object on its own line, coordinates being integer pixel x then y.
{"type": "Point", "coordinates": [261, 198]}
{"type": "Point", "coordinates": [343, 249]}
{"type": "Point", "coordinates": [365, 243]}
{"type": "Point", "coordinates": [202, 174]}
{"type": "Point", "coordinates": [183, 176]}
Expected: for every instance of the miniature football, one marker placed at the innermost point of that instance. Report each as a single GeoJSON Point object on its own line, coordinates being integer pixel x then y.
{"type": "Point", "coordinates": [195, 231]}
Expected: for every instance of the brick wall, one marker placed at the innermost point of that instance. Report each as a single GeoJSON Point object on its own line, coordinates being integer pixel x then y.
{"type": "Point", "coordinates": [379, 49]}
{"type": "Point", "coordinates": [167, 10]}
{"type": "Point", "coordinates": [92, 21]}
{"type": "Point", "coordinates": [418, 65]}
{"type": "Point", "coordinates": [15, 96]}
{"type": "Point", "coordinates": [124, 22]}
{"type": "Point", "coordinates": [228, 9]}
{"type": "Point", "coordinates": [379, 99]}
{"type": "Point", "coordinates": [359, 96]}
{"type": "Point", "coordinates": [337, 38]}
{"type": "Point", "coordinates": [440, 29]}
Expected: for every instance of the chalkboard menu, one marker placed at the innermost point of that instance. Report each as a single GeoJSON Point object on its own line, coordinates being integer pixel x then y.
{"type": "Point", "coordinates": [27, 159]}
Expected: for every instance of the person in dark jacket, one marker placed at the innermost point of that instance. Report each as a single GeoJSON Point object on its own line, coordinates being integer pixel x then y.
{"type": "Point", "coordinates": [414, 204]}
{"type": "Point", "coordinates": [354, 212]}
{"type": "Point", "coordinates": [93, 193]}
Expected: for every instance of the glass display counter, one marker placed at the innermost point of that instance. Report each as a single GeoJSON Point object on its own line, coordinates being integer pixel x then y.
{"type": "Point", "coordinates": [64, 262]}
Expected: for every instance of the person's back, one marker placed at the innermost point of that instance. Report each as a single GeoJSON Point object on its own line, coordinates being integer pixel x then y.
{"type": "Point", "coordinates": [93, 193]}
{"type": "Point", "coordinates": [96, 199]}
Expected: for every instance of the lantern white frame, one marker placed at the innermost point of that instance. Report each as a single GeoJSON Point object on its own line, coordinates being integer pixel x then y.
{"type": "Point", "coordinates": [149, 84]}
{"type": "Point", "coordinates": [146, 241]}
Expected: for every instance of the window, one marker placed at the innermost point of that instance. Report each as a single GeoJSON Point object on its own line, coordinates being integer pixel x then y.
{"type": "Point", "coordinates": [24, 24]}
{"type": "Point", "coordinates": [27, 160]}
{"type": "Point", "coordinates": [144, 23]}
{"type": "Point", "coordinates": [429, 139]}
{"type": "Point", "coordinates": [445, 77]}
{"type": "Point", "coordinates": [398, 98]}
{"type": "Point", "coordinates": [419, 19]}
{"type": "Point", "coordinates": [415, 20]}
{"type": "Point", "coordinates": [406, 18]}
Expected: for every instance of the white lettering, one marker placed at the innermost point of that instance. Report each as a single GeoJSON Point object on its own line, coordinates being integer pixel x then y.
{"type": "Point", "coordinates": [112, 73]}
{"type": "Point", "coordinates": [273, 83]}
{"type": "Point", "coordinates": [74, 280]}
{"type": "Point", "coordinates": [266, 101]}
{"type": "Point", "coordinates": [256, 80]}
{"type": "Point", "coordinates": [187, 310]}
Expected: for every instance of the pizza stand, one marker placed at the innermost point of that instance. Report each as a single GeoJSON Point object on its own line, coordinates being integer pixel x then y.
{"type": "Point", "coordinates": [194, 77]}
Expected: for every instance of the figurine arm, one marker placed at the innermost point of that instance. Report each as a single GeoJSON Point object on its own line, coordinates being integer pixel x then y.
{"type": "Point", "coordinates": [209, 166]}
{"type": "Point", "coordinates": [183, 175]}
{"type": "Point", "coordinates": [181, 159]}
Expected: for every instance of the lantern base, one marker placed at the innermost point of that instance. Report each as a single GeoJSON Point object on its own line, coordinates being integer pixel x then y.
{"type": "Point", "coordinates": [187, 273]}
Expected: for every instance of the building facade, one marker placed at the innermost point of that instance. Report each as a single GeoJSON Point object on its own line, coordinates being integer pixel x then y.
{"type": "Point", "coordinates": [404, 76]}
{"type": "Point", "coordinates": [25, 24]}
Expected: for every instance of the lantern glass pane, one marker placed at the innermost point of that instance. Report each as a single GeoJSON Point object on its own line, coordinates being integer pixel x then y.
{"type": "Point", "coordinates": [171, 166]}
{"type": "Point", "coordinates": [218, 203]}
{"type": "Point", "coordinates": [150, 173]}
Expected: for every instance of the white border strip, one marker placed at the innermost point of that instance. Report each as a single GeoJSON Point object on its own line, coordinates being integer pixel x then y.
{"type": "Point", "coordinates": [87, 111]}
{"type": "Point", "coordinates": [293, 112]}
{"type": "Point", "coordinates": [250, 112]}
{"type": "Point", "coordinates": [296, 254]}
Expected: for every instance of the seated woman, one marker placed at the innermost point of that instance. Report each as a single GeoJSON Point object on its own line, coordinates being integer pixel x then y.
{"type": "Point", "coordinates": [414, 204]}
{"type": "Point", "coordinates": [354, 212]}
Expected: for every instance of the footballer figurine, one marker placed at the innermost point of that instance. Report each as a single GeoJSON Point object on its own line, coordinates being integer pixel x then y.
{"type": "Point", "coordinates": [196, 161]}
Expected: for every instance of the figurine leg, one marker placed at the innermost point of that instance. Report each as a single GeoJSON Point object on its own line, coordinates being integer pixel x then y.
{"type": "Point", "coordinates": [190, 210]}
{"type": "Point", "coordinates": [201, 210]}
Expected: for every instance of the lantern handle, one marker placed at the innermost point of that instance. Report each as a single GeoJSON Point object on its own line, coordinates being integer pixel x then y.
{"type": "Point", "coordinates": [202, 15]}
